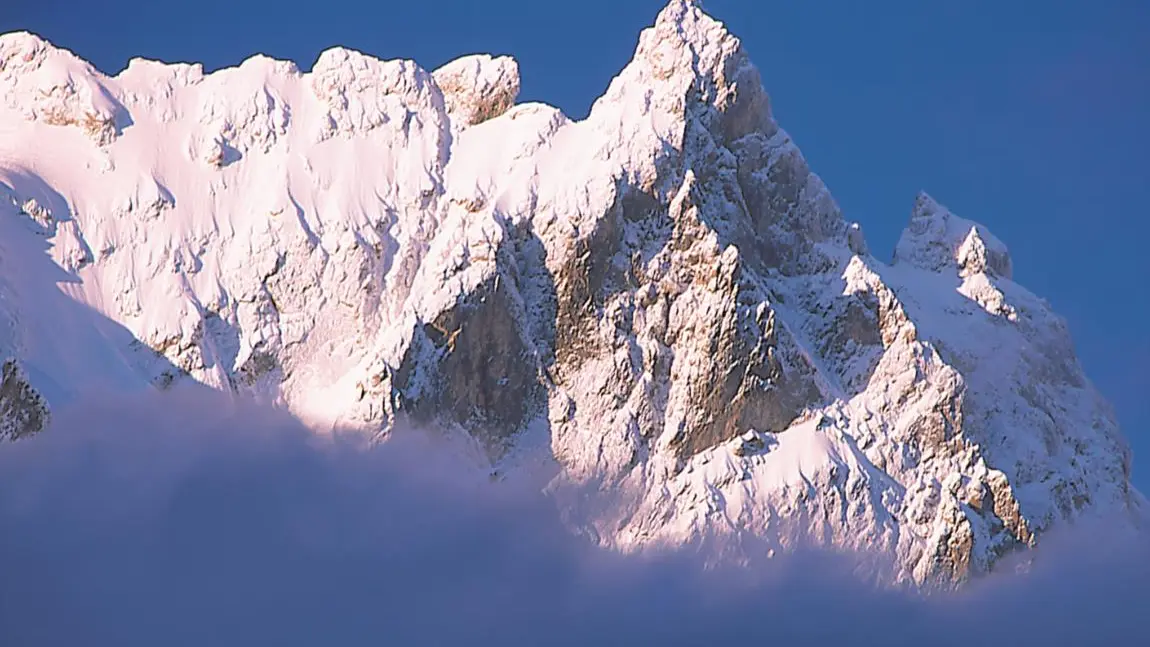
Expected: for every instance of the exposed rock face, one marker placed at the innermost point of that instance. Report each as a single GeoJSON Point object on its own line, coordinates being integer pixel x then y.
{"type": "Point", "coordinates": [32, 68]}
{"type": "Point", "coordinates": [664, 291]}
{"type": "Point", "coordinates": [23, 411]}
{"type": "Point", "coordinates": [478, 88]}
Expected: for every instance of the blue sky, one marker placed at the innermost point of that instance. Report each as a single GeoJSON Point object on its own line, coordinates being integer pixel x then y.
{"type": "Point", "coordinates": [1028, 117]}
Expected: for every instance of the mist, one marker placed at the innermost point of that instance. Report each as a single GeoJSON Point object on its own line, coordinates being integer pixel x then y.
{"type": "Point", "coordinates": [189, 518]}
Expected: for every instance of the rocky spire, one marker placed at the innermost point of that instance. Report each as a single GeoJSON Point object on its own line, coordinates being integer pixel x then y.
{"type": "Point", "coordinates": [936, 239]}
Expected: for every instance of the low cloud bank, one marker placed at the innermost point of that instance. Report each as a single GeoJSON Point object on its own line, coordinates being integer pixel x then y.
{"type": "Point", "coordinates": [189, 519]}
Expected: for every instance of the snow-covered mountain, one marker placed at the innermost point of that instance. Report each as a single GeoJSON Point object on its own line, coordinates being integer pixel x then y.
{"type": "Point", "coordinates": [662, 298]}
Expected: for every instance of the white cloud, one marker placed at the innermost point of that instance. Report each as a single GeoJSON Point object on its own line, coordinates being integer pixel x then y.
{"type": "Point", "coordinates": [189, 520]}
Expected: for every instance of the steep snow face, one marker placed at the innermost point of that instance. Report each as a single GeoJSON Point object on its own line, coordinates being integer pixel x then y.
{"type": "Point", "coordinates": [662, 299]}
{"type": "Point", "coordinates": [252, 228]}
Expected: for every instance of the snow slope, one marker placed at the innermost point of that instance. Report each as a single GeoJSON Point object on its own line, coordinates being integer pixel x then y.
{"type": "Point", "coordinates": [662, 298]}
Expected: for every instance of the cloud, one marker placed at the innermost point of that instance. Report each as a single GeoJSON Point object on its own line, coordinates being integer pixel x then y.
{"type": "Point", "coordinates": [189, 519]}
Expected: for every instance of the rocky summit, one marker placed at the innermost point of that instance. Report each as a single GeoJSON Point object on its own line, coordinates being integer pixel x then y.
{"type": "Point", "coordinates": [661, 301]}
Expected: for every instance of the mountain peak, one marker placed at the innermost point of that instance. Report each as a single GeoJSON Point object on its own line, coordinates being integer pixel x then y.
{"type": "Point", "coordinates": [679, 12]}
{"type": "Point", "coordinates": [662, 299]}
{"type": "Point", "coordinates": [925, 205]}
{"type": "Point", "coordinates": [686, 59]}
{"type": "Point", "coordinates": [936, 239]}
{"type": "Point", "coordinates": [53, 86]}
{"type": "Point", "coordinates": [478, 87]}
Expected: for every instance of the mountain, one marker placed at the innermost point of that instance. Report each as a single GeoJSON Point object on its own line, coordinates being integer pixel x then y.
{"type": "Point", "coordinates": [662, 300]}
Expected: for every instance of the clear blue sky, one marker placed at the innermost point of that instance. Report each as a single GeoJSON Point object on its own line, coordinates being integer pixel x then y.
{"type": "Point", "coordinates": [1030, 117]}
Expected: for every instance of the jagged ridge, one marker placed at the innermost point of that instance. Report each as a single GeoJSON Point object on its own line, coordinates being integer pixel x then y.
{"type": "Point", "coordinates": [662, 297]}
